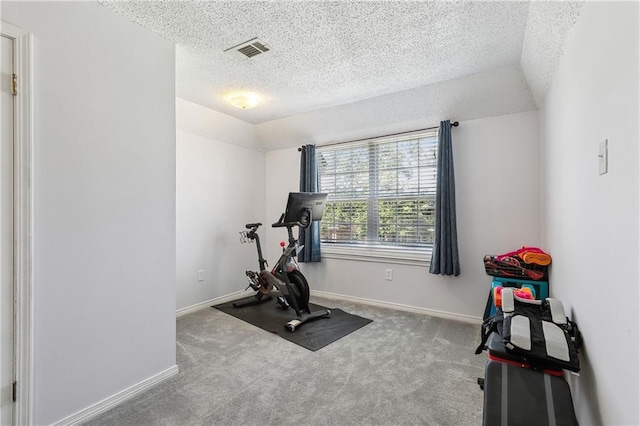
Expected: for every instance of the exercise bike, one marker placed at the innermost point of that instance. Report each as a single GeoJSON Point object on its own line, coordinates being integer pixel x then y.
{"type": "Point", "coordinates": [285, 281]}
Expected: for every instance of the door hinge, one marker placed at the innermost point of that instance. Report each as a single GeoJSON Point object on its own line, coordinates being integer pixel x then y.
{"type": "Point", "coordinates": [14, 391]}
{"type": "Point", "coordinates": [14, 85]}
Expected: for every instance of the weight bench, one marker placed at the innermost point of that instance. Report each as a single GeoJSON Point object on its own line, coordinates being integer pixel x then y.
{"type": "Point", "coordinates": [515, 396]}
{"type": "Point", "coordinates": [530, 343]}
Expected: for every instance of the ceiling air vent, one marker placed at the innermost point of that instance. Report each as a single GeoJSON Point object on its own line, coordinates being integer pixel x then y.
{"type": "Point", "coordinates": [249, 49]}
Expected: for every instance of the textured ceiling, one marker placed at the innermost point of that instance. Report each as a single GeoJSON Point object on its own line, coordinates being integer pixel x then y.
{"type": "Point", "coordinates": [326, 54]}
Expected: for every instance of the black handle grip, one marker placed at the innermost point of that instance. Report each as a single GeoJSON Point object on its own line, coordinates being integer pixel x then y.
{"type": "Point", "coordinates": [279, 223]}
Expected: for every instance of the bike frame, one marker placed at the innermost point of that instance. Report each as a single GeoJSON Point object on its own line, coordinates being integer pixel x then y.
{"type": "Point", "coordinates": [300, 213]}
{"type": "Point", "coordinates": [285, 264]}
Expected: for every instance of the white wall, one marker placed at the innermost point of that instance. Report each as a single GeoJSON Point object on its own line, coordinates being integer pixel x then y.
{"type": "Point", "coordinates": [214, 125]}
{"type": "Point", "coordinates": [219, 188]}
{"type": "Point", "coordinates": [105, 212]}
{"type": "Point", "coordinates": [497, 190]}
{"type": "Point", "coordinates": [488, 94]}
{"type": "Point", "coordinates": [282, 177]}
{"type": "Point", "coordinates": [104, 204]}
{"type": "Point", "coordinates": [591, 221]}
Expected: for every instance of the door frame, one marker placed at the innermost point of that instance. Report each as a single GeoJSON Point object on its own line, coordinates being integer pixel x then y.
{"type": "Point", "coordinates": [23, 223]}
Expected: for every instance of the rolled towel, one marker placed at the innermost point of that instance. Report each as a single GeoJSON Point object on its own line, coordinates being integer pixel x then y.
{"type": "Point", "coordinates": [542, 259]}
{"type": "Point", "coordinates": [532, 255]}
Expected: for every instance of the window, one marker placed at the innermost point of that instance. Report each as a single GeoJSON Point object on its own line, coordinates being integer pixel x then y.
{"type": "Point", "coordinates": [381, 193]}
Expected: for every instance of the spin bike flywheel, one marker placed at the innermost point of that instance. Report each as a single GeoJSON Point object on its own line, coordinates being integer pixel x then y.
{"type": "Point", "coordinates": [302, 286]}
{"type": "Point", "coordinates": [266, 285]}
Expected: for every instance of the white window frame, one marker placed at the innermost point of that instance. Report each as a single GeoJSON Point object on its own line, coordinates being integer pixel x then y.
{"type": "Point", "coordinates": [417, 256]}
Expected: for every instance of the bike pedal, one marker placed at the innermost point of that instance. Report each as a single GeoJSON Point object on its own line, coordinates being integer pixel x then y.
{"type": "Point", "coordinates": [283, 303]}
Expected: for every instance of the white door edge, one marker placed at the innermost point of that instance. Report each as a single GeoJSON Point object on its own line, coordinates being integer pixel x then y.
{"type": "Point", "coordinates": [23, 223]}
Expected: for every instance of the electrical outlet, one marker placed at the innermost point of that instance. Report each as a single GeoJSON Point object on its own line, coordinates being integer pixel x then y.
{"type": "Point", "coordinates": [388, 274]}
{"type": "Point", "coordinates": [201, 275]}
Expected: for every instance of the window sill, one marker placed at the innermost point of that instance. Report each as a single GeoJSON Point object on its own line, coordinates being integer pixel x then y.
{"type": "Point", "coordinates": [402, 256]}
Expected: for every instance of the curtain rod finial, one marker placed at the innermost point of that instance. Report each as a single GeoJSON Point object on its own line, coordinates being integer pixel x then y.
{"type": "Point", "coordinates": [455, 124]}
{"type": "Point", "coordinates": [299, 149]}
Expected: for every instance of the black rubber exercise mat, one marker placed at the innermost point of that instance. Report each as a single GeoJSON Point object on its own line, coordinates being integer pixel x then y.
{"type": "Point", "coordinates": [312, 335]}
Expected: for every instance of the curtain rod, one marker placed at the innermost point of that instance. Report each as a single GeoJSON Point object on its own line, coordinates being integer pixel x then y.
{"type": "Point", "coordinates": [454, 124]}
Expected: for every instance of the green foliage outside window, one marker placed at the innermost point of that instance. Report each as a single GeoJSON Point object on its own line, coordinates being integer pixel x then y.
{"type": "Point", "coordinates": [381, 193]}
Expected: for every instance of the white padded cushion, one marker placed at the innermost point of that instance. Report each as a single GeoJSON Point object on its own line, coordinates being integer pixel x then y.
{"type": "Point", "coordinates": [557, 311]}
{"type": "Point", "coordinates": [507, 300]}
{"type": "Point", "coordinates": [555, 341]}
{"type": "Point", "coordinates": [521, 332]}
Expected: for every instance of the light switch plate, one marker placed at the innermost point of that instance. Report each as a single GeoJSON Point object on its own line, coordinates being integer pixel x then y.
{"type": "Point", "coordinates": [603, 157]}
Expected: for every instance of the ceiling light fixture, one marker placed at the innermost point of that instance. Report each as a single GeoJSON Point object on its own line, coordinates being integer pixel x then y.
{"type": "Point", "coordinates": [243, 100]}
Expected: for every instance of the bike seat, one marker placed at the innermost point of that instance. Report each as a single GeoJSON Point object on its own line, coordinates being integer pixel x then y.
{"type": "Point", "coordinates": [252, 225]}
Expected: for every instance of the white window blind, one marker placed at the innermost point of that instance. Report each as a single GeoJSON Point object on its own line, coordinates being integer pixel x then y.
{"type": "Point", "coordinates": [381, 191]}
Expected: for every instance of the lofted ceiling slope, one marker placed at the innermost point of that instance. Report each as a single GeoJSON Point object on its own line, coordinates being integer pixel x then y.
{"type": "Point", "coordinates": [326, 54]}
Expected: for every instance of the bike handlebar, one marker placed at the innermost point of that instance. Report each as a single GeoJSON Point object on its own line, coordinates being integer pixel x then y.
{"type": "Point", "coordinates": [281, 224]}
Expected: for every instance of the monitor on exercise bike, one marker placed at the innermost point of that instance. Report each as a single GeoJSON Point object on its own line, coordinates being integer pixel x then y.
{"type": "Point", "coordinates": [304, 207]}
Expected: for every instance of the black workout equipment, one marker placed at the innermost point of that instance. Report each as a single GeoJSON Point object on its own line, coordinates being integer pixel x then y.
{"type": "Point", "coordinates": [537, 332]}
{"type": "Point", "coordinates": [285, 281]}
{"type": "Point", "coordinates": [518, 396]}
{"type": "Point", "coordinates": [313, 335]}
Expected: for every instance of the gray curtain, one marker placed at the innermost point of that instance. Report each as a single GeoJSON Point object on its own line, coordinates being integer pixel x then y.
{"type": "Point", "coordinates": [310, 237]}
{"type": "Point", "coordinates": [444, 258]}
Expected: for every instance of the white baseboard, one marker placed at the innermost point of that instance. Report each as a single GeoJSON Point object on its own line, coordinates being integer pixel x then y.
{"type": "Point", "coordinates": [120, 397]}
{"type": "Point", "coordinates": [207, 304]}
{"type": "Point", "coordinates": [415, 309]}
{"type": "Point", "coordinates": [432, 312]}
